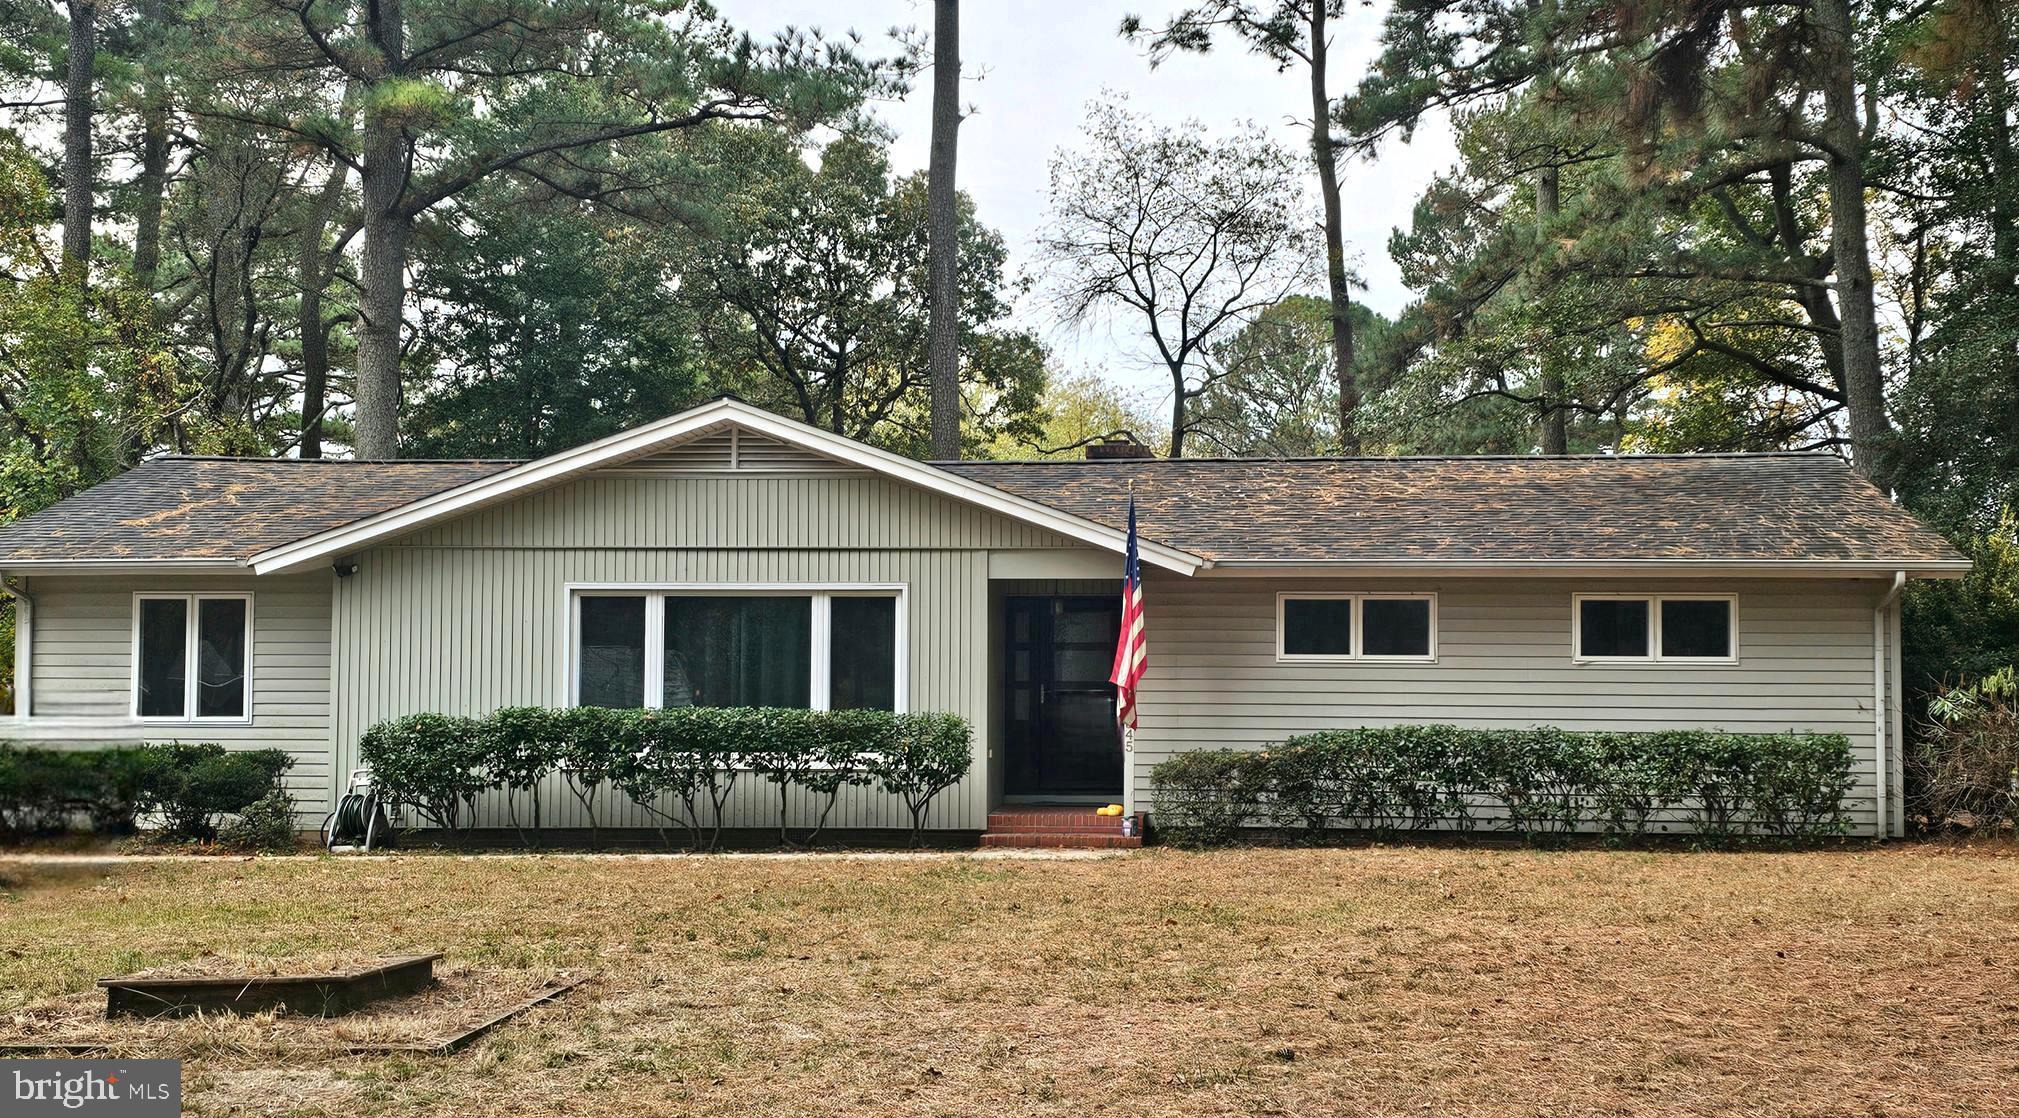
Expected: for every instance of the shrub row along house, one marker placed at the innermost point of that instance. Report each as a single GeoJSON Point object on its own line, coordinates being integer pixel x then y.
{"type": "Point", "coordinates": [725, 556]}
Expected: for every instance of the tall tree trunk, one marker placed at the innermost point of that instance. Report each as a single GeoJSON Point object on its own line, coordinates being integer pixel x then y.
{"type": "Point", "coordinates": [1325, 153]}
{"type": "Point", "coordinates": [153, 181]}
{"type": "Point", "coordinates": [77, 141]}
{"type": "Point", "coordinates": [1548, 189]}
{"type": "Point", "coordinates": [1555, 432]}
{"type": "Point", "coordinates": [384, 275]}
{"type": "Point", "coordinates": [1864, 381]}
{"type": "Point", "coordinates": [314, 280]}
{"type": "Point", "coordinates": [1177, 413]}
{"type": "Point", "coordinates": [943, 350]}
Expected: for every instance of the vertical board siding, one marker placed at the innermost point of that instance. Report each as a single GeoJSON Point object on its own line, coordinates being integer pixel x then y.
{"type": "Point", "coordinates": [1504, 659]}
{"type": "Point", "coordinates": [82, 670]}
{"type": "Point", "coordinates": [466, 631]}
{"type": "Point", "coordinates": [469, 616]}
{"type": "Point", "coordinates": [724, 512]}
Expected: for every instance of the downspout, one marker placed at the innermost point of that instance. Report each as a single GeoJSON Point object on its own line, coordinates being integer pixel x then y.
{"type": "Point", "coordinates": [1882, 827]}
{"type": "Point", "coordinates": [24, 614]}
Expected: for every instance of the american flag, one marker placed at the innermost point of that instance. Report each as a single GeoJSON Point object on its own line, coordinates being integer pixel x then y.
{"type": "Point", "coordinates": [1132, 653]}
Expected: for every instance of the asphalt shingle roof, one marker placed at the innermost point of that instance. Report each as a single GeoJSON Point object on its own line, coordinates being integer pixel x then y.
{"type": "Point", "coordinates": [1747, 507]}
{"type": "Point", "coordinates": [223, 508]}
{"type": "Point", "coordinates": [1744, 507]}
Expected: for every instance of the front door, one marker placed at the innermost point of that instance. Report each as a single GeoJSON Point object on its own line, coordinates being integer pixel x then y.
{"type": "Point", "coordinates": [1061, 734]}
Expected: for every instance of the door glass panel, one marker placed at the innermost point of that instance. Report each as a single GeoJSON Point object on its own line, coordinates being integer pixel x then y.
{"type": "Point", "coordinates": [1083, 626]}
{"type": "Point", "coordinates": [220, 658]}
{"type": "Point", "coordinates": [862, 655]}
{"type": "Point", "coordinates": [739, 652]}
{"type": "Point", "coordinates": [1079, 665]}
{"type": "Point", "coordinates": [1395, 627]}
{"type": "Point", "coordinates": [1086, 751]}
{"type": "Point", "coordinates": [612, 671]}
{"type": "Point", "coordinates": [164, 652]}
{"type": "Point", "coordinates": [1612, 627]}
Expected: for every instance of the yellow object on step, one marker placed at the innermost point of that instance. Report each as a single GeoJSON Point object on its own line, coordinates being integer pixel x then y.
{"type": "Point", "coordinates": [1111, 809]}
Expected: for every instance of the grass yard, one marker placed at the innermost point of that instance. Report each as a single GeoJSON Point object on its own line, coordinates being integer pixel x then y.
{"type": "Point", "coordinates": [1328, 982]}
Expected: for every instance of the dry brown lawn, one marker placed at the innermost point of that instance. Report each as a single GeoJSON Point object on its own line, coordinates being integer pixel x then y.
{"type": "Point", "coordinates": [1334, 982]}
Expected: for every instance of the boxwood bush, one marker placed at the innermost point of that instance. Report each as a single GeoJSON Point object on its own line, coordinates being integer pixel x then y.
{"type": "Point", "coordinates": [678, 765]}
{"type": "Point", "coordinates": [1536, 783]}
{"type": "Point", "coordinates": [190, 787]}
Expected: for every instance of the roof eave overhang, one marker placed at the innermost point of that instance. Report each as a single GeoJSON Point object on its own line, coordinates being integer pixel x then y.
{"type": "Point", "coordinates": [1604, 568]}
{"type": "Point", "coordinates": [322, 547]}
{"type": "Point", "coordinates": [120, 566]}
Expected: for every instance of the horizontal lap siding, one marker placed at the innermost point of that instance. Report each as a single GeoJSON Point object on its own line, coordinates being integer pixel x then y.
{"type": "Point", "coordinates": [82, 664]}
{"type": "Point", "coordinates": [467, 617]}
{"type": "Point", "coordinates": [1504, 659]}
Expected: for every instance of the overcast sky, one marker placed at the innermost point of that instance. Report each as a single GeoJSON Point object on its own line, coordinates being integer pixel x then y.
{"type": "Point", "coordinates": [1040, 63]}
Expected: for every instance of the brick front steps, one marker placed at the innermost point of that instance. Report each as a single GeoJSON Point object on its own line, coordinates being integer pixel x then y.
{"type": "Point", "coordinates": [1074, 828]}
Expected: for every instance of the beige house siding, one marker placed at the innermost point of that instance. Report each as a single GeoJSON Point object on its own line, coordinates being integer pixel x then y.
{"type": "Point", "coordinates": [1504, 659]}
{"type": "Point", "coordinates": [81, 663]}
{"type": "Point", "coordinates": [469, 616]}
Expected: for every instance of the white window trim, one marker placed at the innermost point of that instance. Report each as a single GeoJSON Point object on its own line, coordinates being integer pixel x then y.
{"type": "Point", "coordinates": [1355, 638]}
{"type": "Point", "coordinates": [192, 639]}
{"type": "Point", "coordinates": [1654, 653]}
{"type": "Point", "coordinates": [821, 593]}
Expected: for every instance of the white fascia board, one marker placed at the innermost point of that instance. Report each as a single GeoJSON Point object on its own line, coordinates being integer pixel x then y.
{"type": "Point", "coordinates": [1610, 568]}
{"type": "Point", "coordinates": [504, 486]}
{"type": "Point", "coordinates": [124, 566]}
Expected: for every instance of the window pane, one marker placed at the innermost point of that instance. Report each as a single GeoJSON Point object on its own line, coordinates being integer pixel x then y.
{"type": "Point", "coordinates": [1612, 628]}
{"type": "Point", "coordinates": [862, 657]}
{"type": "Point", "coordinates": [1696, 628]}
{"type": "Point", "coordinates": [612, 660]}
{"type": "Point", "coordinates": [739, 652]}
{"type": "Point", "coordinates": [164, 652]}
{"type": "Point", "coordinates": [1317, 626]}
{"type": "Point", "coordinates": [1395, 627]}
{"type": "Point", "coordinates": [220, 658]}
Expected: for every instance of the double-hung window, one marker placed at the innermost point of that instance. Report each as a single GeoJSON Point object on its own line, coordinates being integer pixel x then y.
{"type": "Point", "coordinates": [824, 648]}
{"type": "Point", "coordinates": [1698, 628]}
{"type": "Point", "coordinates": [192, 657]}
{"type": "Point", "coordinates": [1369, 626]}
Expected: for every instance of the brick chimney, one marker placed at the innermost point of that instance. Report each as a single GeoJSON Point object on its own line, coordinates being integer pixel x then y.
{"type": "Point", "coordinates": [1117, 449]}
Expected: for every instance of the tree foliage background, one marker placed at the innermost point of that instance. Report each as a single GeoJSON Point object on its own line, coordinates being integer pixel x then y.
{"type": "Point", "coordinates": [509, 226]}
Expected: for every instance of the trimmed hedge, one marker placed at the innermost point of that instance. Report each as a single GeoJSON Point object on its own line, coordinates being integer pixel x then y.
{"type": "Point", "coordinates": [1535, 783]}
{"type": "Point", "coordinates": [191, 787]}
{"type": "Point", "coordinates": [678, 764]}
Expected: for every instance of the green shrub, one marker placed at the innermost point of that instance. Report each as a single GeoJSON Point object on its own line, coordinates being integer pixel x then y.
{"type": "Point", "coordinates": [434, 763]}
{"type": "Point", "coordinates": [1540, 783]}
{"type": "Point", "coordinates": [35, 789]}
{"type": "Point", "coordinates": [1964, 768]}
{"type": "Point", "coordinates": [190, 785]}
{"type": "Point", "coordinates": [922, 756]}
{"type": "Point", "coordinates": [521, 750]}
{"type": "Point", "coordinates": [1205, 798]}
{"type": "Point", "coordinates": [690, 754]}
{"type": "Point", "coordinates": [266, 824]}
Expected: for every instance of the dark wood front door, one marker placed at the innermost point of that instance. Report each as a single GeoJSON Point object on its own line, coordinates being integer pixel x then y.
{"type": "Point", "coordinates": [1061, 735]}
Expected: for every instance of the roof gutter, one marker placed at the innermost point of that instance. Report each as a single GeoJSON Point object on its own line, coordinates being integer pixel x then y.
{"type": "Point", "coordinates": [117, 566]}
{"type": "Point", "coordinates": [24, 643]}
{"type": "Point", "coordinates": [1941, 568]}
{"type": "Point", "coordinates": [1882, 697]}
